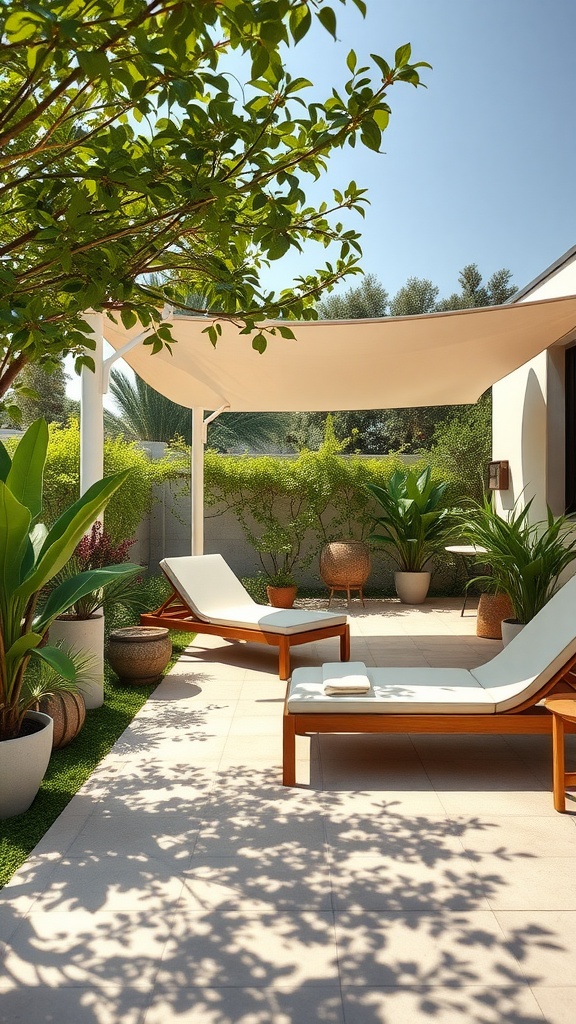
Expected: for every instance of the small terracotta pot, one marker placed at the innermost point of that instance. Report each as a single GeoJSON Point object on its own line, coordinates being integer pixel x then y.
{"type": "Point", "coordinates": [281, 597]}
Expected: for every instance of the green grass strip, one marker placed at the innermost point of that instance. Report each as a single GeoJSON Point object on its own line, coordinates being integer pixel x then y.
{"type": "Point", "coordinates": [69, 768]}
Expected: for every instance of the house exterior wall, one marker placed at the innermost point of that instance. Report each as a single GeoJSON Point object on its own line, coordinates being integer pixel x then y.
{"type": "Point", "coordinates": [528, 412]}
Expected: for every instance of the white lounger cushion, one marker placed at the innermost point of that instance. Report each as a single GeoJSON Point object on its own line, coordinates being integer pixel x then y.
{"type": "Point", "coordinates": [214, 594]}
{"type": "Point", "coordinates": [531, 659]}
{"type": "Point", "coordinates": [394, 691]}
{"type": "Point", "coordinates": [511, 678]}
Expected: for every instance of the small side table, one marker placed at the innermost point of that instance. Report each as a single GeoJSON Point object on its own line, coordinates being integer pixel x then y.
{"type": "Point", "coordinates": [563, 708]}
{"type": "Point", "coordinates": [465, 551]}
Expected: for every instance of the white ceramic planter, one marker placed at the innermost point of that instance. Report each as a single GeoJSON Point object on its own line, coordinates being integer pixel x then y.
{"type": "Point", "coordinates": [23, 764]}
{"type": "Point", "coordinates": [85, 635]}
{"type": "Point", "coordinates": [510, 629]}
{"type": "Point", "coordinates": [412, 587]}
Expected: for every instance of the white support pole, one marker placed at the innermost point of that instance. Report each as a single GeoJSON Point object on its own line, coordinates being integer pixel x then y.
{"type": "Point", "coordinates": [197, 481]}
{"type": "Point", "coordinates": [92, 412]}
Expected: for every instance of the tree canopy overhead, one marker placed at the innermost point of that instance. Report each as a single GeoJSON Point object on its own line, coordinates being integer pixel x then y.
{"type": "Point", "coordinates": [127, 148]}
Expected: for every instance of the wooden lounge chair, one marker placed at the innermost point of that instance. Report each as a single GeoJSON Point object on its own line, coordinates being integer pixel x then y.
{"type": "Point", "coordinates": [501, 696]}
{"type": "Point", "coordinates": [208, 598]}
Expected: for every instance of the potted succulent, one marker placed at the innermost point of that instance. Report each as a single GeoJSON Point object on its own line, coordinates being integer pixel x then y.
{"type": "Point", "coordinates": [82, 625]}
{"type": "Point", "coordinates": [30, 556]}
{"type": "Point", "coordinates": [412, 527]}
{"type": "Point", "coordinates": [524, 559]}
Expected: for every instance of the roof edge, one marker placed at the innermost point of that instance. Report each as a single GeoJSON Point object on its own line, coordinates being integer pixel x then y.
{"type": "Point", "coordinates": [548, 272]}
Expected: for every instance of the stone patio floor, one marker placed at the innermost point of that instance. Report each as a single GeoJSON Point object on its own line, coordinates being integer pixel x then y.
{"type": "Point", "coordinates": [406, 879]}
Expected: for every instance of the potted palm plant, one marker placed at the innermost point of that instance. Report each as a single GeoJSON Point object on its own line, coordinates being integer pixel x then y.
{"type": "Point", "coordinates": [412, 527]}
{"type": "Point", "coordinates": [81, 626]}
{"type": "Point", "coordinates": [524, 560]}
{"type": "Point", "coordinates": [30, 556]}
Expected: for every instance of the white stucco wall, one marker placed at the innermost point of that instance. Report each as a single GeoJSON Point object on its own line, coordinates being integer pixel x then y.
{"type": "Point", "coordinates": [528, 414]}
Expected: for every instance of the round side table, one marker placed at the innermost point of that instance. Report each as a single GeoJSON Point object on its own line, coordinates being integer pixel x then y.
{"type": "Point", "coordinates": [563, 708]}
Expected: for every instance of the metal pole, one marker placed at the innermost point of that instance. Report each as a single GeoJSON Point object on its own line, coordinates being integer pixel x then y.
{"type": "Point", "coordinates": [92, 412]}
{"type": "Point", "coordinates": [197, 481]}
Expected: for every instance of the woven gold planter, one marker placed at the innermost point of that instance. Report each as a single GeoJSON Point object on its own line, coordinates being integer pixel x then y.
{"type": "Point", "coordinates": [492, 608]}
{"type": "Point", "coordinates": [345, 565]}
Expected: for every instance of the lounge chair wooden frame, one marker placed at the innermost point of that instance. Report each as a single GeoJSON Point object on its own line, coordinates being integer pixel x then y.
{"type": "Point", "coordinates": [176, 614]}
{"type": "Point", "coordinates": [525, 718]}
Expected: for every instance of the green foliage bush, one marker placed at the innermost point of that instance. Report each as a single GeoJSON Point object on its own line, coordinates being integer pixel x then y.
{"type": "Point", "coordinates": [288, 508]}
{"type": "Point", "coordinates": [462, 449]}
{"type": "Point", "coordinates": [131, 502]}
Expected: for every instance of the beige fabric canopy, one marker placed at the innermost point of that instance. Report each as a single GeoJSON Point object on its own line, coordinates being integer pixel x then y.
{"type": "Point", "coordinates": [433, 359]}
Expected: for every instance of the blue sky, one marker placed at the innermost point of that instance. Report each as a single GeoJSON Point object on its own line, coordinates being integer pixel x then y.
{"type": "Point", "coordinates": [480, 166]}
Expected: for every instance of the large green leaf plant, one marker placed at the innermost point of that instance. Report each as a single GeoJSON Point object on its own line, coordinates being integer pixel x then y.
{"type": "Point", "coordinates": [30, 556]}
{"type": "Point", "coordinates": [524, 559]}
{"type": "Point", "coordinates": [413, 525]}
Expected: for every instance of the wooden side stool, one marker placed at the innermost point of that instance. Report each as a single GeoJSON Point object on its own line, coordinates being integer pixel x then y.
{"type": "Point", "coordinates": [563, 708]}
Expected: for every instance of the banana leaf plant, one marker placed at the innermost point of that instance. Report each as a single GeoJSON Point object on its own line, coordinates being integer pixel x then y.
{"type": "Point", "coordinates": [413, 525]}
{"type": "Point", "coordinates": [523, 559]}
{"type": "Point", "coordinates": [30, 556]}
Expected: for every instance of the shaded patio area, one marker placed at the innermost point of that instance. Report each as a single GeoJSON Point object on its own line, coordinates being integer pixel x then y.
{"type": "Point", "coordinates": [406, 878]}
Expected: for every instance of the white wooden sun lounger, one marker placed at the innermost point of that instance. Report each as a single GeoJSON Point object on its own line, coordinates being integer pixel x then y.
{"type": "Point", "coordinates": [501, 696]}
{"type": "Point", "coordinates": [208, 598]}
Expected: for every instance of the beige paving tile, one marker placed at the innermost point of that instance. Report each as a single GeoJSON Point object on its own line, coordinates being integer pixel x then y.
{"type": "Point", "coordinates": [511, 837]}
{"type": "Point", "coordinates": [136, 883]}
{"type": "Point", "coordinates": [216, 949]}
{"type": "Point", "coordinates": [184, 854]}
{"type": "Point", "coordinates": [507, 801]}
{"type": "Point", "coordinates": [104, 1004]}
{"type": "Point", "coordinates": [389, 884]}
{"type": "Point", "coordinates": [423, 839]}
{"type": "Point", "coordinates": [81, 948]}
{"type": "Point", "coordinates": [286, 881]}
{"type": "Point", "coordinates": [235, 1005]}
{"type": "Point", "coordinates": [409, 949]}
{"type": "Point", "coordinates": [544, 942]}
{"type": "Point", "coordinates": [137, 832]}
{"type": "Point", "coordinates": [270, 833]}
{"type": "Point", "coordinates": [529, 883]}
{"type": "Point", "coordinates": [558, 1005]}
{"type": "Point", "coordinates": [493, 1005]}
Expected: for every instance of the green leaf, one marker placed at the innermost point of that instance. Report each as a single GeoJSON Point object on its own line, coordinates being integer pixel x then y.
{"type": "Point", "coordinates": [19, 650]}
{"type": "Point", "coordinates": [371, 135]}
{"type": "Point", "coordinates": [94, 63]}
{"type": "Point", "coordinates": [382, 64]}
{"type": "Point", "coordinates": [27, 471]}
{"type": "Point", "coordinates": [327, 18]}
{"type": "Point", "coordinates": [260, 63]}
{"type": "Point", "coordinates": [15, 520]}
{"type": "Point", "coordinates": [402, 55]}
{"type": "Point", "coordinates": [21, 25]}
{"type": "Point", "coordinates": [300, 22]}
{"type": "Point", "coordinates": [5, 462]}
{"type": "Point", "coordinates": [58, 660]}
{"type": "Point", "coordinates": [128, 317]}
{"type": "Point", "coordinates": [259, 343]}
{"type": "Point", "coordinates": [69, 591]}
{"type": "Point", "coordinates": [351, 61]}
{"type": "Point", "coordinates": [67, 531]}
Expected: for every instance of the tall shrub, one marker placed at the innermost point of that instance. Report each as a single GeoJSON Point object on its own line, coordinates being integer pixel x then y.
{"type": "Point", "coordinates": [132, 501]}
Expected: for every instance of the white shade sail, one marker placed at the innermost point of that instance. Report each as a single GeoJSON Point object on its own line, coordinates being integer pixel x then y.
{"type": "Point", "coordinates": [392, 362]}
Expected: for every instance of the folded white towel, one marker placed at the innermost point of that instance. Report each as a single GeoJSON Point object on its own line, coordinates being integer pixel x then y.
{"type": "Point", "coordinates": [344, 677]}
